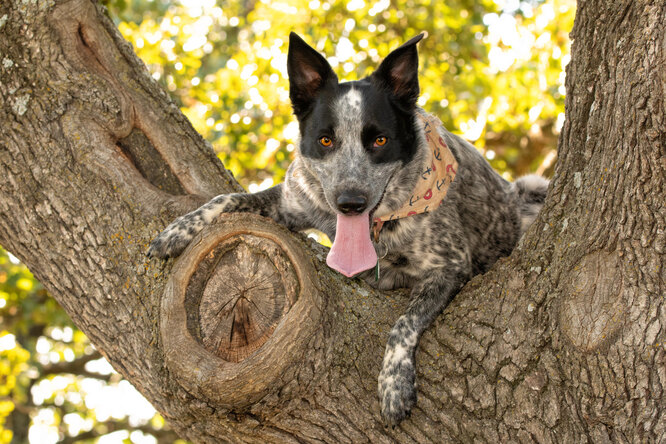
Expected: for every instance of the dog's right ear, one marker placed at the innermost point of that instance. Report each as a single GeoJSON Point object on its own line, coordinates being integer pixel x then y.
{"type": "Point", "coordinates": [308, 73]}
{"type": "Point", "coordinates": [399, 72]}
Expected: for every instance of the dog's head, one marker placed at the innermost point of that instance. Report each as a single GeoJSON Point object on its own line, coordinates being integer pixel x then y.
{"type": "Point", "coordinates": [355, 135]}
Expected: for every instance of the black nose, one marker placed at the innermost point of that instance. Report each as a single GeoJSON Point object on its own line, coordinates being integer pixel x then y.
{"type": "Point", "coordinates": [351, 202]}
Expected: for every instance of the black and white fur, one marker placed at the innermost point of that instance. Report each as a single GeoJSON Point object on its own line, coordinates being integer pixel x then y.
{"type": "Point", "coordinates": [436, 253]}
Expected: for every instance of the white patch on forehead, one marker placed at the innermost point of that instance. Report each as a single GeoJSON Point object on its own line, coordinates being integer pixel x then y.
{"type": "Point", "coordinates": [349, 114]}
{"type": "Point", "coordinates": [350, 103]}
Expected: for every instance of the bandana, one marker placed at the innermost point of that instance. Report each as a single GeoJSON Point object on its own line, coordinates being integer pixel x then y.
{"type": "Point", "coordinates": [434, 180]}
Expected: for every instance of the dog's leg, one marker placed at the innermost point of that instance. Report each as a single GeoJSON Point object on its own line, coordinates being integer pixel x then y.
{"type": "Point", "coordinates": [173, 240]}
{"type": "Point", "coordinates": [397, 379]}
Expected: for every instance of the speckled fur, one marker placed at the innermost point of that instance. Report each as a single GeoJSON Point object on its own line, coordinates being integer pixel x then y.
{"type": "Point", "coordinates": [436, 253]}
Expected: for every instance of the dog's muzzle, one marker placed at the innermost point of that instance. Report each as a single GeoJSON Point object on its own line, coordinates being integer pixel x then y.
{"type": "Point", "coordinates": [351, 202]}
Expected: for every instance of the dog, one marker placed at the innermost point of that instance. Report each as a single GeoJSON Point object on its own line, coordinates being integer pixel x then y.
{"type": "Point", "coordinates": [365, 150]}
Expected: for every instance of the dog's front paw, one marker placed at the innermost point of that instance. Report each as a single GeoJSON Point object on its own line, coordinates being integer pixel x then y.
{"type": "Point", "coordinates": [397, 390]}
{"type": "Point", "coordinates": [173, 240]}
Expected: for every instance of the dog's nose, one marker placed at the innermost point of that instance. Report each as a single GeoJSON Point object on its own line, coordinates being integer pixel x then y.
{"type": "Point", "coordinates": [350, 202]}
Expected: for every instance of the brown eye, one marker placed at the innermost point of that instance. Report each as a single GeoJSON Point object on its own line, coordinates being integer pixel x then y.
{"type": "Point", "coordinates": [326, 141]}
{"type": "Point", "coordinates": [380, 141]}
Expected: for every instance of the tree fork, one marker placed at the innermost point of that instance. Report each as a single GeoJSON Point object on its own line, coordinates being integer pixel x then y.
{"type": "Point", "coordinates": [561, 341]}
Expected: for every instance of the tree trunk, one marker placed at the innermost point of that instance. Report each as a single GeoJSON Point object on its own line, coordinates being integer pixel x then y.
{"type": "Point", "coordinates": [249, 337]}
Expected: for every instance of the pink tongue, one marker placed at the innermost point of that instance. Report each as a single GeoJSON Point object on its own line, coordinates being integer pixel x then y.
{"type": "Point", "coordinates": [352, 250]}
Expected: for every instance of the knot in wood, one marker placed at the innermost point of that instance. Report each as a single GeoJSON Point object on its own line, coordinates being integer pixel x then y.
{"type": "Point", "coordinates": [239, 310]}
{"type": "Point", "coordinates": [238, 294]}
{"type": "Point", "coordinates": [593, 307]}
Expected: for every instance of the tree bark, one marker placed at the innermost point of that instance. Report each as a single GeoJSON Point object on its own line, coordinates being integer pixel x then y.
{"type": "Point", "coordinates": [561, 342]}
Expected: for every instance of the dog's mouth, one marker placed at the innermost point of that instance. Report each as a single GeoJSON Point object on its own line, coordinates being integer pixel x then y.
{"type": "Point", "coordinates": [352, 251]}
{"type": "Point", "coordinates": [374, 209]}
{"type": "Point", "coordinates": [381, 198]}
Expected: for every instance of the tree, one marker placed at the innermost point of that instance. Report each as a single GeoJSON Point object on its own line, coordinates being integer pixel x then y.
{"type": "Point", "coordinates": [236, 99]}
{"type": "Point", "coordinates": [563, 340]}
{"type": "Point", "coordinates": [199, 52]}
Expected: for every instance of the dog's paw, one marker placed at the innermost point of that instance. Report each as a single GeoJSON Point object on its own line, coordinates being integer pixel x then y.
{"type": "Point", "coordinates": [397, 390]}
{"type": "Point", "coordinates": [173, 240]}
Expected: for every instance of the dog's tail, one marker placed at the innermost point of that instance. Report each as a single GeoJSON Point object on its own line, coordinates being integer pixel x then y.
{"type": "Point", "coordinates": [531, 192]}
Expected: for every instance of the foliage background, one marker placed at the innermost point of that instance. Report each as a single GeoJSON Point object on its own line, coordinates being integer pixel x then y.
{"type": "Point", "coordinates": [492, 70]}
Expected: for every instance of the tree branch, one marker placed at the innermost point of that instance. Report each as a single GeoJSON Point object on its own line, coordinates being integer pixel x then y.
{"type": "Point", "coordinates": [75, 366]}
{"type": "Point", "coordinates": [104, 428]}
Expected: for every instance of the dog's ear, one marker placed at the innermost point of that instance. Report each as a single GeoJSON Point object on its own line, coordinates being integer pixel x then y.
{"type": "Point", "coordinates": [399, 72]}
{"type": "Point", "coordinates": [308, 73]}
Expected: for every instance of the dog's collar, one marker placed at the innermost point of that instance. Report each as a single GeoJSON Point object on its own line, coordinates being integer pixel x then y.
{"type": "Point", "coordinates": [433, 182]}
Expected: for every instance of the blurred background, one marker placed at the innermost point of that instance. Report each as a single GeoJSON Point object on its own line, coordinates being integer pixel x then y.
{"type": "Point", "coordinates": [491, 70]}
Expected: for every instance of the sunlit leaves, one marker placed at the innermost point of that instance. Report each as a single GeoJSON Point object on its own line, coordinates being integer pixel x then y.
{"type": "Point", "coordinates": [492, 70]}
{"type": "Point", "coordinates": [13, 362]}
{"type": "Point", "coordinates": [41, 384]}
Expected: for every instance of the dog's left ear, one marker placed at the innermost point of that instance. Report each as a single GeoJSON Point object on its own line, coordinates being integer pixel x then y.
{"type": "Point", "coordinates": [399, 72]}
{"type": "Point", "coordinates": [309, 72]}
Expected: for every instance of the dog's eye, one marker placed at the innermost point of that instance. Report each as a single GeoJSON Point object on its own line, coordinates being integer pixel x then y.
{"type": "Point", "coordinates": [380, 141]}
{"type": "Point", "coordinates": [326, 141]}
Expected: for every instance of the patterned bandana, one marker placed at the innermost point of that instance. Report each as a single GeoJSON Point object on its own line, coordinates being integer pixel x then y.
{"type": "Point", "coordinates": [431, 188]}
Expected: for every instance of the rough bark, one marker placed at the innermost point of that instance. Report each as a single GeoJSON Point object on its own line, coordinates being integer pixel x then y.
{"type": "Point", "coordinates": [561, 342]}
